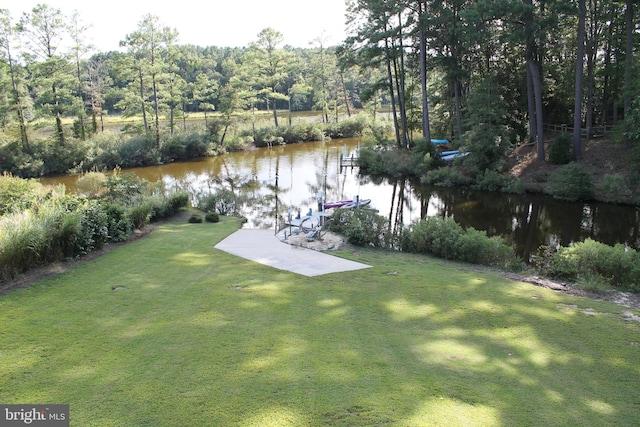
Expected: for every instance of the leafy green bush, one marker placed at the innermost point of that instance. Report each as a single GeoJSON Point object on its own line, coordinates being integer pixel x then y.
{"type": "Point", "coordinates": [444, 238]}
{"type": "Point", "coordinates": [560, 150]}
{"type": "Point", "coordinates": [223, 201]}
{"type": "Point", "coordinates": [614, 188]}
{"type": "Point", "coordinates": [91, 184]}
{"type": "Point", "coordinates": [96, 227]}
{"type": "Point", "coordinates": [140, 214]}
{"type": "Point", "coordinates": [571, 182]}
{"type": "Point", "coordinates": [362, 227]}
{"type": "Point", "coordinates": [119, 221]}
{"type": "Point", "coordinates": [195, 218]}
{"type": "Point", "coordinates": [348, 128]}
{"type": "Point", "coordinates": [212, 217]}
{"type": "Point", "coordinates": [18, 194]}
{"type": "Point", "coordinates": [185, 145]}
{"type": "Point", "coordinates": [167, 206]}
{"type": "Point", "coordinates": [446, 177]}
{"type": "Point", "coordinates": [433, 235]}
{"type": "Point", "coordinates": [617, 265]}
{"type": "Point", "coordinates": [126, 188]}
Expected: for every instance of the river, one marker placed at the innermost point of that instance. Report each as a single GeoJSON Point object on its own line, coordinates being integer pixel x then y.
{"type": "Point", "coordinates": [286, 178]}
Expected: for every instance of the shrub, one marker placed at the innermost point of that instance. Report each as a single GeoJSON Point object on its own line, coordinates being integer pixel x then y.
{"type": "Point", "coordinates": [195, 218]}
{"type": "Point", "coordinates": [119, 221]}
{"type": "Point", "coordinates": [614, 188]}
{"type": "Point", "coordinates": [560, 150]}
{"type": "Point", "coordinates": [489, 180]}
{"type": "Point", "coordinates": [126, 188]}
{"type": "Point", "coordinates": [212, 217]}
{"type": "Point", "coordinates": [17, 194]}
{"type": "Point", "coordinates": [477, 248]}
{"type": "Point", "coordinates": [571, 182]}
{"type": "Point", "coordinates": [348, 128]}
{"type": "Point", "coordinates": [140, 214]}
{"type": "Point", "coordinates": [223, 201]}
{"type": "Point", "coordinates": [362, 227]}
{"type": "Point", "coordinates": [95, 223]}
{"type": "Point", "coordinates": [434, 235]}
{"type": "Point", "coordinates": [91, 184]}
{"type": "Point", "coordinates": [184, 146]}
{"type": "Point", "coordinates": [166, 207]}
{"type": "Point", "coordinates": [444, 238]}
{"type": "Point", "coordinates": [446, 177]}
{"type": "Point", "coordinates": [590, 260]}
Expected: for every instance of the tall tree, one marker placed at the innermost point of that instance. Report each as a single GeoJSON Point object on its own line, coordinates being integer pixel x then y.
{"type": "Point", "coordinates": [270, 67]}
{"type": "Point", "coordinates": [147, 46]}
{"type": "Point", "coordinates": [533, 60]}
{"type": "Point", "coordinates": [628, 65]}
{"type": "Point", "coordinates": [44, 29]}
{"type": "Point", "coordinates": [80, 48]}
{"type": "Point", "coordinates": [98, 80]}
{"type": "Point", "coordinates": [577, 110]}
{"type": "Point", "coordinates": [18, 89]}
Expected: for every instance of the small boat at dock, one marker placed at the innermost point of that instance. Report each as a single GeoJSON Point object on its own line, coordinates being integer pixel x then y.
{"type": "Point", "coordinates": [349, 204]}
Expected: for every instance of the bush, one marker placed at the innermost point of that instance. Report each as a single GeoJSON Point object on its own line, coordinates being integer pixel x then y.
{"type": "Point", "coordinates": [119, 221]}
{"type": "Point", "coordinates": [96, 227]}
{"type": "Point", "coordinates": [348, 128]}
{"type": "Point", "coordinates": [195, 219]}
{"type": "Point", "coordinates": [446, 177]}
{"type": "Point", "coordinates": [184, 146]}
{"type": "Point", "coordinates": [591, 261]}
{"type": "Point", "coordinates": [212, 217]}
{"type": "Point", "coordinates": [572, 182]}
{"type": "Point", "coordinates": [444, 238]}
{"type": "Point", "coordinates": [433, 235]}
{"type": "Point", "coordinates": [17, 194]}
{"type": "Point", "coordinates": [362, 227]}
{"type": "Point", "coordinates": [560, 150]}
{"type": "Point", "coordinates": [166, 207]}
{"type": "Point", "coordinates": [140, 214]}
{"type": "Point", "coordinates": [91, 184]}
{"type": "Point", "coordinates": [223, 202]}
{"type": "Point", "coordinates": [614, 188]}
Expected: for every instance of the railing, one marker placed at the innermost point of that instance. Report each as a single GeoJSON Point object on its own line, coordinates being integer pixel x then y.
{"type": "Point", "coordinates": [593, 131]}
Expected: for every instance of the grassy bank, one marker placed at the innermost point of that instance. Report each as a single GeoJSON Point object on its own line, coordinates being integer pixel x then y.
{"type": "Point", "coordinates": [168, 331]}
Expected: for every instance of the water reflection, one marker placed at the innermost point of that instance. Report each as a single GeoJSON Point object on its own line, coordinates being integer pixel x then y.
{"type": "Point", "coordinates": [270, 182]}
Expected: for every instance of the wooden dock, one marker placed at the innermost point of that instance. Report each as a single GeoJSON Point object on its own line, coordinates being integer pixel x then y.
{"type": "Point", "coordinates": [349, 161]}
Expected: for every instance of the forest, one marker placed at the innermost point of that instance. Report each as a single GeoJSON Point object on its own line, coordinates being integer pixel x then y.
{"type": "Point", "coordinates": [488, 75]}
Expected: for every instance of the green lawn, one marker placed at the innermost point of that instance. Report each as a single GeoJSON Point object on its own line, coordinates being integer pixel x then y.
{"type": "Point", "coordinates": [198, 337]}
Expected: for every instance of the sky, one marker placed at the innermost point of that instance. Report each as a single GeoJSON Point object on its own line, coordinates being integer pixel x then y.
{"type": "Point", "coordinates": [222, 23]}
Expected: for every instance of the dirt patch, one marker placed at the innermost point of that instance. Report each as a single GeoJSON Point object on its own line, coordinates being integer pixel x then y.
{"type": "Point", "coordinates": [624, 299]}
{"type": "Point", "coordinates": [600, 157]}
{"type": "Point", "coordinates": [327, 241]}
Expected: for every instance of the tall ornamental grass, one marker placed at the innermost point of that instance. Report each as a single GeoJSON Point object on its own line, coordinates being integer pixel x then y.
{"type": "Point", "coordinates": [29, 239]}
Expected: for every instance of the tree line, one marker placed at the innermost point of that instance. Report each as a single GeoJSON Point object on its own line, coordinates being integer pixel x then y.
{"type": "Point", "coordinates": [491, 73]}
{"type": "Point", "coordinates": [485, 73]}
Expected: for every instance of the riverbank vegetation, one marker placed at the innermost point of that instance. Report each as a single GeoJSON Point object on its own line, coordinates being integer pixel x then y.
{"type": "Point", "coordinates": [167, 324]}
{"type": "Point", "coordinates": [417, 61]}
{"type": "Point", "coordinates": [41, 225]}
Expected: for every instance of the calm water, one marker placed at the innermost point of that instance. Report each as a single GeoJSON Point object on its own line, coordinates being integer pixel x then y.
{"type": "Point", "coordinates": [274, 180]}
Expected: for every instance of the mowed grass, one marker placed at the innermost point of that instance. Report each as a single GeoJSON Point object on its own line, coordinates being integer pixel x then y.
{"type": "Point", "coordinates": [193, 336]}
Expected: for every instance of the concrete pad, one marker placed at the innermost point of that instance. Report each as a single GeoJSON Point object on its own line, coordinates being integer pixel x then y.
{"type": "Point", "coordinates": [264, 247]}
